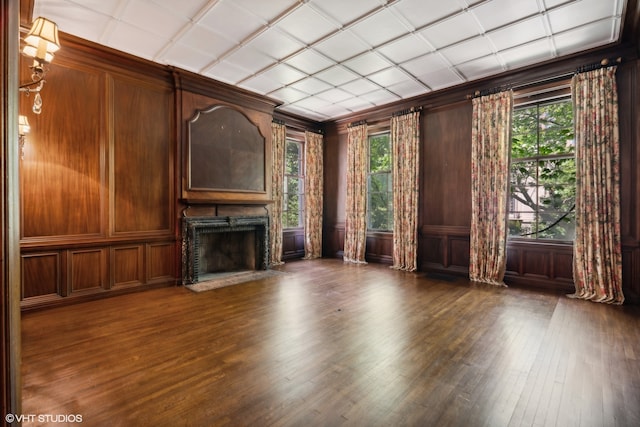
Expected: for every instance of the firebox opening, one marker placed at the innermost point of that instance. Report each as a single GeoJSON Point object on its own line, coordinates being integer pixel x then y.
{"type": "Point", "coordinates": [226, 252]}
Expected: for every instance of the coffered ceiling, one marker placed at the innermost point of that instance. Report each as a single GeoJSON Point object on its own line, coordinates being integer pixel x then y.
{"type": "Point", "coordinates": [325, 59]}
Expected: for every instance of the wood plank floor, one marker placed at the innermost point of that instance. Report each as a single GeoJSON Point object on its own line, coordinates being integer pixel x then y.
{"type": "Point", "coordinates": [331, 344]}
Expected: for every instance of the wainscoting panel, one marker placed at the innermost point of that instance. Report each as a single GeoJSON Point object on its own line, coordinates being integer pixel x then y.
{"type": "Point", "coordinates": [127, 266]}
{"type": "Point", "coordinates": [87, 270]}
{"type": "Point", "coordinates": [543, 265]}
{"type": "Point", "coordinates": [444, 249]}
{"type": "Point", "coordinates": [293, 243]}
{"type": "Point", "coordinates": [41, 275]}
{"type": "Point", "coordinates": [379, 247]}
{"type": "Point", "coordinates": [161, 262]}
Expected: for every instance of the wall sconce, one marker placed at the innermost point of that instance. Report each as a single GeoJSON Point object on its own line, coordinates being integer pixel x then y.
{"type": "Point", "coordinates": [23, 130]}
{"type": "Point", "coordinates": [40, 44]}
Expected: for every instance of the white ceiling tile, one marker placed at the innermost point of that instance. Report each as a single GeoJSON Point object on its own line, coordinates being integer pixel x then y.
{"type": "Point", "coordinates": [265, 10]}
{"type": "Point", "coordinates": [406, 48]}
{"type": "Point", "coordinates": [497, 13]}
{"type": "Point", "coordinates": [440, 79]}
{"type": "Point", "coordinates": [284, 74]}
{"type": "Point", "coordinates": [311, 85]}
{"type": "Point", "coordinates": [333, 110]}
{"type": "Point", "coordinates": [520, 33]}
{"type": "Point", "coordinates": [553, 3]}
{"type": "Point", "coordinates": [367, 63]}
{"type": "Point", "coordinates": [527, 54]}
{"type": "Point", "coordinates": [306, 25]}
{"type": "Point", "coordinates": [64, 10]}
{"type": "Point", "coordinates": [423, 12]}
{"type": "Point", "coordinates": [452, 30]}
{"type": "Point", "coordinates": [360, 86]}
{"type": "Point", "coordinates": [345, 11]}
{"type": "Point", "coordinates": [312, 103]}
{"type": "Point", "coordinates": [156, 20]}
{"type": "Point", "coordinates": [579, 13]}
{"type": "Point", "coordinates": [183, 8]}
{"type": "Point", "coordinates": [186, 57]}
{"type": "Point", "coordinates": [341, 46]}
{"type": "Point", "coordinates": [356, 104]}
{"type": "Point", "coordinates": [379, 28]}
{"type": "Point", "coordinates": [388, 77]}
{"type": "Point", "coordinates": [294, 109]}
{"type": "Point", "coordinates": [468, 50]}
{"type": "Point", "coordinates": [408, 88]}
{"type": "Point", "coordinates": [250, 59]}
{"type": "Point", "coordinates": [276, 43]}
{"type": "Point", "coordinates": [135, 41]}
{"type": "Point", "coordinates": [309, 61]}
{"type": "Point", "coordinates": [288, 94]}
{"type": "Point", "coordinates": [380, 97]}
{"type": "Point", "coordinates": [337, 75]}
{"type": "Point", "coordinates": [224, 18]}
{"type": "Point", "coordinates": [480, 67]}
{"type": "Point", "coordinates": [593, 35]}
{"type": "Point", "coordinates": [426, 63]}
{"type": "Point", "coordinates": [207, 41]}
{"type": "Point", "coordinates": [334, 95]}
{"type": "Point", "coordinates": [261, 84]}
{"type": "Point", "coordinates": [227, 72]}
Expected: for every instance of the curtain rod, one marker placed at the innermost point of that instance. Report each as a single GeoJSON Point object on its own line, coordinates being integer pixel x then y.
{"type": "Point", "coordinates": [318, 131]}
{"type": "Point", "coordinates": [358, 123]}
{"type": "Point", "coordinates": [407, 111]}
{"type": "Point", "coordinates": [277, 121]}
{"type": "Point", "coordinates": [605, 62]}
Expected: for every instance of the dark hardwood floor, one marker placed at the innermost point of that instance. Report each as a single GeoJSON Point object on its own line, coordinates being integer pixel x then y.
{"type": "Point", "coordinates": [333, 344]}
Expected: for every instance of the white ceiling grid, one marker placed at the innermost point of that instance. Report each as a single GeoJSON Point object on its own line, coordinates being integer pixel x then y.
{"type": "Point", "coordinates": [328, 58]}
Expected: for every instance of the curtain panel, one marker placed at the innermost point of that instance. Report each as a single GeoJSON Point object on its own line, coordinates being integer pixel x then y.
{"type": "Point", "coordinates": [490, 142]}
{"type": "Point", "coordinates": [356, 201]}
{"type": "Point", "coordinates": [597, 269]}
{"type": "Point", "coordinates": [278, 141]}
{"type": "Point", "coordinates": [405, 140]}
{"type": "Point", "coordinates": [313, 190]}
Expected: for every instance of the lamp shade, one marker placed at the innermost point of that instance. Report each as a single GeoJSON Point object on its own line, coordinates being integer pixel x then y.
{"type": "Point", "coordinates": [43, 34]}
{"type": "Point", "coordinates": [32, 52]}
{"type": "Point", "coordinates": [23, 125]}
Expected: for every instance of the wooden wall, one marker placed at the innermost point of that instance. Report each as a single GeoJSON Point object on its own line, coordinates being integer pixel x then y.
{"type": "Point", "coordinates": [445, 193]}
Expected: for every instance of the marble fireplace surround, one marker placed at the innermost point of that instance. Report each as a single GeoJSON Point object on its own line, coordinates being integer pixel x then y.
{"type": "Point", "coordinates": [215, 244]}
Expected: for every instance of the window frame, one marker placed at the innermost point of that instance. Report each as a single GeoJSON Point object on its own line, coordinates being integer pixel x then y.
{"type": "Point", "coordinates": [538, 96]}
{"type": "Point", "coordinates": [301, 190]}
{"type": "Point", "coordinates": [389, 174]}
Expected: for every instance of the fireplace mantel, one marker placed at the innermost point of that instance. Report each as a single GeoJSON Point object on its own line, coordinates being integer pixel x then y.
{"type": "Point", "coordinates": [194, 228]}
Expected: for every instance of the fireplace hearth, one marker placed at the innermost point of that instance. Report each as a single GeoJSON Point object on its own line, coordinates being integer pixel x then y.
{"type": "Point", "coordinates": [215, 245]}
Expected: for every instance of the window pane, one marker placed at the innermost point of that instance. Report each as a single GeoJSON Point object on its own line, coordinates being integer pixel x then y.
{"type": "Point", "coordinates": [292, 158]}
{"type": "Point", "coordinates": [556, 128]}
{"type": "Point", "coordinates": [524, 133]}
{"type": "Point", "coordinates": [379, 153]}
{"type": "Point", "coordinates": [379, 209]}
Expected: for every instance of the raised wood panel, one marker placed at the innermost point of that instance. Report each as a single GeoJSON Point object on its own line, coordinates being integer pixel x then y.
{"type": "Point", "coordinates": [41, 274]}
{"type": "Point", "coordinates": [539, 264]}
{"type": "Point", "coordinates": [87, 270]}
{"type": "Point", "coordinates": [62, 173]}
{"type": "Point", "coordinates": [459, 247]}
{"type": "Point", "coordinates": [432, 249]}
{"type": "Point", "coordinates": [127, 265]}
{"type": "Point", "coordinates": [536, 263]}
{"type": "Point", "coordinates": [562, 266]}
{"type": "Point", "coordinates": [160, 262]}
{"type": "Point", "coordinates": [142, 169]}
{"type": "Point", "coordinates": [379, 247]}
{"type": "Point", "coordinates": [293, 243]}
{"type": "Point", "coordinates": [446, 166]}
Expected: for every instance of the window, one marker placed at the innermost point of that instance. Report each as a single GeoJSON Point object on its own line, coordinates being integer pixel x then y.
{"type": "Point", "coordinates": [293, 194]}
{"type": "Point", "coordinates": [543, 172]}
{"type": "Point", "coordinates": [379, 185]}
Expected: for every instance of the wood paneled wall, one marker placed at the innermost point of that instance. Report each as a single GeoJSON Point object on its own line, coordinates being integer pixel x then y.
{"type": "Point", "coordinates": [97, 194]}
{"type": "Point", "coordinates": [445, 188]}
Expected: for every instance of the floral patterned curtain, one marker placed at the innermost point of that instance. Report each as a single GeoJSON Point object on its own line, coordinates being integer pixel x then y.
{"type": "Point", "coordinates": [278, 141]}
{"type": "Point", "coordinates": [313, 187]}
{"type": "Point", "coordinates": [597, 268]}
{"type": "Point", "coordinates": [405, 140]}
{"type": "Point", "coordinates": [355, 237]}
{"type": "Point", "coordinates": [490, 144]}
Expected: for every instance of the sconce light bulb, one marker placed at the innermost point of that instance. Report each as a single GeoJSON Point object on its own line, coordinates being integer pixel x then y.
{"type": "Point", "coordinates": [37, 103]}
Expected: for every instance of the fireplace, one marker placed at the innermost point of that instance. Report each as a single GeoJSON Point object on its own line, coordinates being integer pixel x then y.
{"type": "Point", "coordinates": [215, 245]}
